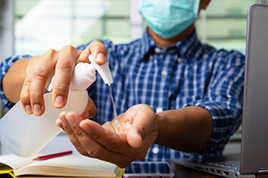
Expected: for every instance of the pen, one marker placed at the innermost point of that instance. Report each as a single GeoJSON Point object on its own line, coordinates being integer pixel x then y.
{"type": "Point", "coordinates": [41, 158]}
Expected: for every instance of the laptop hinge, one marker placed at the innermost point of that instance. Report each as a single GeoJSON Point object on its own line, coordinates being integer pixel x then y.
{"type": "Point", "coordinates": [263, 170]}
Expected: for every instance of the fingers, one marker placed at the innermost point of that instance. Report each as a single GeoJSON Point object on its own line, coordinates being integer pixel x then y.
{"type": "Point", "coordinates": [97, 49]}
{"type": "Point", "coordinates": [66, 60]}
{"type": "Point", "coordinates": [90, 110]}
{"type": "Point", "coordinates": [81, 140]}
{"type": "Point", "coordinates": [137, 132]}
{"type": "Point", "coordinates": [110, 139]}
{"type": "Point", "coordinates": [134, 137]}
{"type": "Point", "coordinates": [120, 152]}
{"type": "Point", "coordinates": [62, 62]}
{"type": "Point", "coordinates": [33, 87]}
{"type": "Point", "coordinates": [67, 121]}
{"type": "Point", "coordinates": [63, 75]}
{"type": "Point", "coordinates": [141, 125]}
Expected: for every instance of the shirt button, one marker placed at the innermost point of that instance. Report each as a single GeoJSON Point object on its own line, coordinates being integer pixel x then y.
{"type": "Point", "coordinates": [151, 57]}
{"type": "Point", "coordinates": [164, 72]}
{"type": "Point", "coordinates": [159, 109]}
{"type": "Point", "coordinates": [179, 60]}
{"type": "Point", "coordinates": [157, 50]}
{"type": "Point", "coordinates": [155, 150]}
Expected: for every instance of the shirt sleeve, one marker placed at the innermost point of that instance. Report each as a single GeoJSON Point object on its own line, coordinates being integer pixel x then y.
{"type": "Point", "coordinates": [224, 101]}
{"type": "Point", "coordinates": [5, 65]}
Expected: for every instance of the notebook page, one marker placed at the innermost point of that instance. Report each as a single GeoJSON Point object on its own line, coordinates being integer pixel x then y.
{"type": "Point", "coordinates": [76, 161]}
{"type": "Point", "coordinates": [14, 161]}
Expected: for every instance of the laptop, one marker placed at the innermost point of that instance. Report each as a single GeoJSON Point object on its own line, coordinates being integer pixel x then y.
{"type": "Point", "coordinates": [253, 159]}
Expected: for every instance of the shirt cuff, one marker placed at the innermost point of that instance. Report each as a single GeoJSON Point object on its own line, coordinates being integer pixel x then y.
{"type": "Point", "coordinates": [225, 124]}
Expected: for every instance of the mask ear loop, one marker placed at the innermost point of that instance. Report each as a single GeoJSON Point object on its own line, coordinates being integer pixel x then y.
{"type": "Point", "coordinates": [197, 5]}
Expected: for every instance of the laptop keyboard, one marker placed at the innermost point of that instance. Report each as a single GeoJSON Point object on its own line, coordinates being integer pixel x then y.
{"type": "Point", "coordinates": [235, 165]}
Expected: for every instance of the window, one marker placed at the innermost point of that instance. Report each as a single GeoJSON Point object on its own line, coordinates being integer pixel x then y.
{"type": "Point", "coordinates": [224, 23]}
{"type": "Point", "coordinates": [44, 24]}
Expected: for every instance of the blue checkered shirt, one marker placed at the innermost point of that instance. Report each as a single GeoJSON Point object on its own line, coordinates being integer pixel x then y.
{"type": "Point", "coordinates": [187, 73]}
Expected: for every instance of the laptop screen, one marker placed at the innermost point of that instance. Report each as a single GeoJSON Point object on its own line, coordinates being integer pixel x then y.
{"type": "Point", "coordinates": [254, 150]}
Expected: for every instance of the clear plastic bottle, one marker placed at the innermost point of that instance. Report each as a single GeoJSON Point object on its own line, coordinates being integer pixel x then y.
{"type": "Point", "coordinates": [24, 135]}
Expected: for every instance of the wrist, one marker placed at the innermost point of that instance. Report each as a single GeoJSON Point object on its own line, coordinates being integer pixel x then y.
{"type": "Point", "coordinates": [161, 120]}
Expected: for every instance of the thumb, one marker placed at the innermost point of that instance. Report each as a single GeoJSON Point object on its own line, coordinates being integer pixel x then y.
{"type": "Point", "coordinates": [98, 51]}
{"type": "Point", "coordinates": [134, 138]}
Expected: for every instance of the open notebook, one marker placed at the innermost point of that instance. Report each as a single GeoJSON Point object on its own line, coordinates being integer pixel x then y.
{"type": "Point", "coordinates": [74, 165]}
{"type": "Point", "coordinates": [253, 159]}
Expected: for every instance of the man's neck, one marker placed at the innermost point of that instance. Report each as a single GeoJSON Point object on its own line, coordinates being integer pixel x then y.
{"type": "Point", "coordinates": [164, 43]}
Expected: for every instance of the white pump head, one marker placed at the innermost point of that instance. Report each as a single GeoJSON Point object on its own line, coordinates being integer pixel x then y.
{"type": "Point", "coordinates": [84, 75]}
{"type": "Point", "coordinates": [103, 70]}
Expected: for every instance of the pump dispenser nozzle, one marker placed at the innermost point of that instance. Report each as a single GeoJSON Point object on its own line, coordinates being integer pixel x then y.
{"type": "Point", "coordinates": [103, 70]}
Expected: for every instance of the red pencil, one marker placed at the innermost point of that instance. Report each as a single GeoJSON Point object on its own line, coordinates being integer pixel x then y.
{"type": "Point", "coordinates": [41, 158]}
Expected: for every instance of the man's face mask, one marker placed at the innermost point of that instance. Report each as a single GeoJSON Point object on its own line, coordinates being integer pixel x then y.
{"type": "Point", "coordinates": [169, 18]}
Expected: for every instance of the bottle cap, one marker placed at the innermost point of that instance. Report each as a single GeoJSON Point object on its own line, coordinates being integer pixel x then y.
{"type": "Point", "coordinates": [103, 70]}
{"type": "Point", "coordinates": [83, 76]}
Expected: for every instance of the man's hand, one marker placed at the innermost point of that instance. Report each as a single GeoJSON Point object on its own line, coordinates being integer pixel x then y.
{"type": "Point", "coordinates": [61, 64]}
{"type": "Point", "coordinates": [120, 145]}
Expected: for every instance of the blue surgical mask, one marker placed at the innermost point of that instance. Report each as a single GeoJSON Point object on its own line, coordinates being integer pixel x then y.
{"type": "Point", "coordinates": [169, 18]}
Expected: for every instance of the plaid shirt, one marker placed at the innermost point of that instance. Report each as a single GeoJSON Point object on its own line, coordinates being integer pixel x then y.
{"type": "Point", "coordinates": [187, 73]}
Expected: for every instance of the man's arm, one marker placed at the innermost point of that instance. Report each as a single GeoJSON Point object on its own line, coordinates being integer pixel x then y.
{"type": "Point", "coordinates": [13, 80]}
{"type": "Point", "coordinates": [187, 129]}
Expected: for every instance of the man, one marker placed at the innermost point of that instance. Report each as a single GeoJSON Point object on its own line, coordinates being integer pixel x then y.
{"type": "Point", "coordinates": [173, 93]}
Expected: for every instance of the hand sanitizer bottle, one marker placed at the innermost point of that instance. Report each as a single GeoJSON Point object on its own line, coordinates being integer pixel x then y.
{"type": "Point", "coordinates": [24, 135]}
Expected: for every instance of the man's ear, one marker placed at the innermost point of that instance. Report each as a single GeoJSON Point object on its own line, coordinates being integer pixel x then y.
{"type": "Point", "coordinates": [204, 4]}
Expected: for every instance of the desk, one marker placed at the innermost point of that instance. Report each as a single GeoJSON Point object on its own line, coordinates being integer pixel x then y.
{"type": "Point", "coordinates": [183, 172]}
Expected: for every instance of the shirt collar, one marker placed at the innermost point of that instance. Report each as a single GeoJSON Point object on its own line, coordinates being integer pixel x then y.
{"type": "Point", "coordinates": [186, 47]}
{"type": "Point", "coordinates": [147, 45]}
{"type": "Point", "coordinates": [189, 46]}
